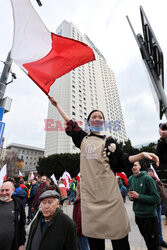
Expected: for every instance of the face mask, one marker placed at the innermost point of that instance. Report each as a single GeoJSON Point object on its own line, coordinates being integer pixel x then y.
{"type": "Point", "coordinates": [96, 129]}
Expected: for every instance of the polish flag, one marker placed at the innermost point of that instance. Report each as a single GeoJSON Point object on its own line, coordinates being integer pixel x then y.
{"type": "Point", "coordinates": [78, 177]}
{"type": "Point", "coordinates": [67, 177]}
{"type": "Point", "coordinates": [44, 56]}
{"type": "Point", "coordinates": [155, 174]}
{"type": "Point", "coordinates": [20, 175]}
{"type": "Point", "coordinates": [123, 176]}
{"type": "Point", "coordinates": [32, 176]}
{"type": "Point", "coordinates": [3, 175]}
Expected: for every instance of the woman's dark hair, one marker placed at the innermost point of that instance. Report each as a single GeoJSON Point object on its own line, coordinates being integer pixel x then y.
{"type": "Point", "coordinates": [95, 110]}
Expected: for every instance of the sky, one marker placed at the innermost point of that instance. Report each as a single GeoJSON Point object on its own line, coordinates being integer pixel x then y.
{"type": "Point", "coordinates": [105, 24]}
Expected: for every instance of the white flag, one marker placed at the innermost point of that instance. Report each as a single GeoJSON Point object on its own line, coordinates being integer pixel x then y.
{"type": "Point", "coordinates": [20, 174]}
{"type": "Point", "coordinates": [155, 174]}
{"type": "Point", "coordinates": [53, 178]}
{"type": "Point", "coordinates": [3, 175]}
{"type": "Point", "coordinates": [67, 178]}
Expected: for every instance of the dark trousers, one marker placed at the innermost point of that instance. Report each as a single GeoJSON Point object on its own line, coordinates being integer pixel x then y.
{"type": "Point", "coordinates": [148, 228]}
{"type": "Point", "coordinates": [99, 244]}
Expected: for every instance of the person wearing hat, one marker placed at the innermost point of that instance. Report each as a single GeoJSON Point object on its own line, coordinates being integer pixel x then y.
{"type": "Point", "coordinates": [52, 229]}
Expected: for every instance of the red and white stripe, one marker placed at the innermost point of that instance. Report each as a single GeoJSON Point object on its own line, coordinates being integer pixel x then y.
{"type": "Point", "coordinates": [44, 56]}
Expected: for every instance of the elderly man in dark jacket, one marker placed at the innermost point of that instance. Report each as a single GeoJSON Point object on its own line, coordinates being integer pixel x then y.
{"type": "Point", "coordinates": [52, 229]}
{"type": "Point", "coordinates": [12, 217]}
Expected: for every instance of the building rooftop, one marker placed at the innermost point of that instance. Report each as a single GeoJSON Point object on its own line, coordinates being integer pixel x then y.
{"type": "Point", "coordinates": [17, 145]}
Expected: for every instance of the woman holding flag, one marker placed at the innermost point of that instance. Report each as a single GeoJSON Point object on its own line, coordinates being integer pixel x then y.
{"type": "Point", "coordinates": [103, 213]}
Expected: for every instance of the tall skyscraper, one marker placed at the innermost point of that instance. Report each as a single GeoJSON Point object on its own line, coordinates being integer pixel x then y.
{"type": "Point", "coordinates": [88, 87]}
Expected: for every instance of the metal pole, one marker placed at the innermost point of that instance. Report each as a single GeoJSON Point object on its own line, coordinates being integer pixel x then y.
{"type": "Point", "coordinates": [155, 77]}
{"type": "Point", "coordinates": [4, 77]}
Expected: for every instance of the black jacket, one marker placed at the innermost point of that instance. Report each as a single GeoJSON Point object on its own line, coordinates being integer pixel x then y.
{"type": "Point", "coordinates": [60, 234]}
{"type": "Point", "coordinates": [19, 235]}
{"type": "Point", "coordinates": [118, 159]}
{"type": "Point", "coordinates": [162, 151]}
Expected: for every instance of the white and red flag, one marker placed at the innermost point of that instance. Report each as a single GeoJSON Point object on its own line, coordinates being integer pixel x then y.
{"type": "Point", "coordinates": [3, 174]}
{"type": "Point", "coordinates": [43, 55]}
{"type": "Point", "coordinates": [155, 174]}
{"type": "Point", "coordinates": [67, 177]}
{"type": "Point", "coordinates": [20, 175]}
{"type": "Point", "coordinates": [78, 177]}
{"type": "Point", "coordinates": [32, 176]}
{"type": "Point", "coordinates": [123, 176]}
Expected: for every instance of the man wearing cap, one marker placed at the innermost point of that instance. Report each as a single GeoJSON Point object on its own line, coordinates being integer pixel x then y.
{"type": "Point", "coordinates": [52, 229]}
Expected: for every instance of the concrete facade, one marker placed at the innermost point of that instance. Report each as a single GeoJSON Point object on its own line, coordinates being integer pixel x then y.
{"type": "Point", "coordinates": [90, 86]}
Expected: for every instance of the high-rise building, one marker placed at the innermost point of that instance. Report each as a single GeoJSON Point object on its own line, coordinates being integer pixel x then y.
{"type": "Point", "coordinates": [90, 86]}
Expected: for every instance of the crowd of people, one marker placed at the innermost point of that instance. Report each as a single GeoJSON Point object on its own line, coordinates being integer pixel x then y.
{"type": "Point", "coordinates": [99, 210]}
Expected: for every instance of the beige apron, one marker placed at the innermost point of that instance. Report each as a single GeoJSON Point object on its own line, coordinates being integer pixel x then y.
{"type": "Point", "coordinates": [103, 212]}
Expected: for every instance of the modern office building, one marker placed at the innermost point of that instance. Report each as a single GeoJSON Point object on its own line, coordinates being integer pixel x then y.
{"type": "Point", "coordinates": [90, 86]}
{"type": "Point", "coordinates": [22, 157]}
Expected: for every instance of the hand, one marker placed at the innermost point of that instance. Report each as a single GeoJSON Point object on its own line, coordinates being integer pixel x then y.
{"type": "Point", "coordinates": [133, 195]}
{"type": "Point", "coordinates": [152, 157]}
{"type": "Point", "coordinates": [129, 195]}
{"type": "Point", "coordinates": [163, 133]}
{"type": "Point", "coordinates": [32, 209]}
{"type": "Point", "coordinates": [53, 101]}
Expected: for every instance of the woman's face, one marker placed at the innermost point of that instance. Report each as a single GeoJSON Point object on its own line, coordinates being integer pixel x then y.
{"type": "Point", "coordinates": [96, 119]}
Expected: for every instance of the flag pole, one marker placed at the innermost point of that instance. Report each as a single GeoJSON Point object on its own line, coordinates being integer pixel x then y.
{"type": "Point", "coordinates": [4, 77]}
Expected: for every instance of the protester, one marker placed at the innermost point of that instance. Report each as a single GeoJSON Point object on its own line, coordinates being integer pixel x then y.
{"type": "Point", "coordinates": [23, 186]}
{"type": "Point", "coordinates": [52, 229]}
{"type": "Point", "coordinates": [82, 240]}
{"type": "Point", "coordinates": [31, 198]}
{"type": "Point", "coordinates": [12, 218]}
{"type": "Point", "coordinates": [162, 144]}
{"type": "Point", "coordinates": [122, 188]}
{"type": "Point", "coordinates": [63, 193]}
{"type": "Point", "coordinates": [63, 189]}
{"type": "Point", "coordinates": [144, 194]}
{"type": "Point", "coordinates": [103, 212]}
{"type": "Point", "coordinates": [71, 192]}
{"type": "Point", "coordinates": [42, 188]}
{"type": "Point", "coordinates": [21, 192]}
{"type": "Point", "coordinates": [163, 195]}
{"type": "Point", "coordinates": [164, 210]}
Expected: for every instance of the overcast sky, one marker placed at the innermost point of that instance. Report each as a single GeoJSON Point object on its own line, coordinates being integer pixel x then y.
{"type": "Point", "coordinates": [106, 25]}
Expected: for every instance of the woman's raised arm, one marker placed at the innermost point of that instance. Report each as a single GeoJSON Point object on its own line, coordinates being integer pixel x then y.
{"type": "Point", "coordinates": [59, 109]}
